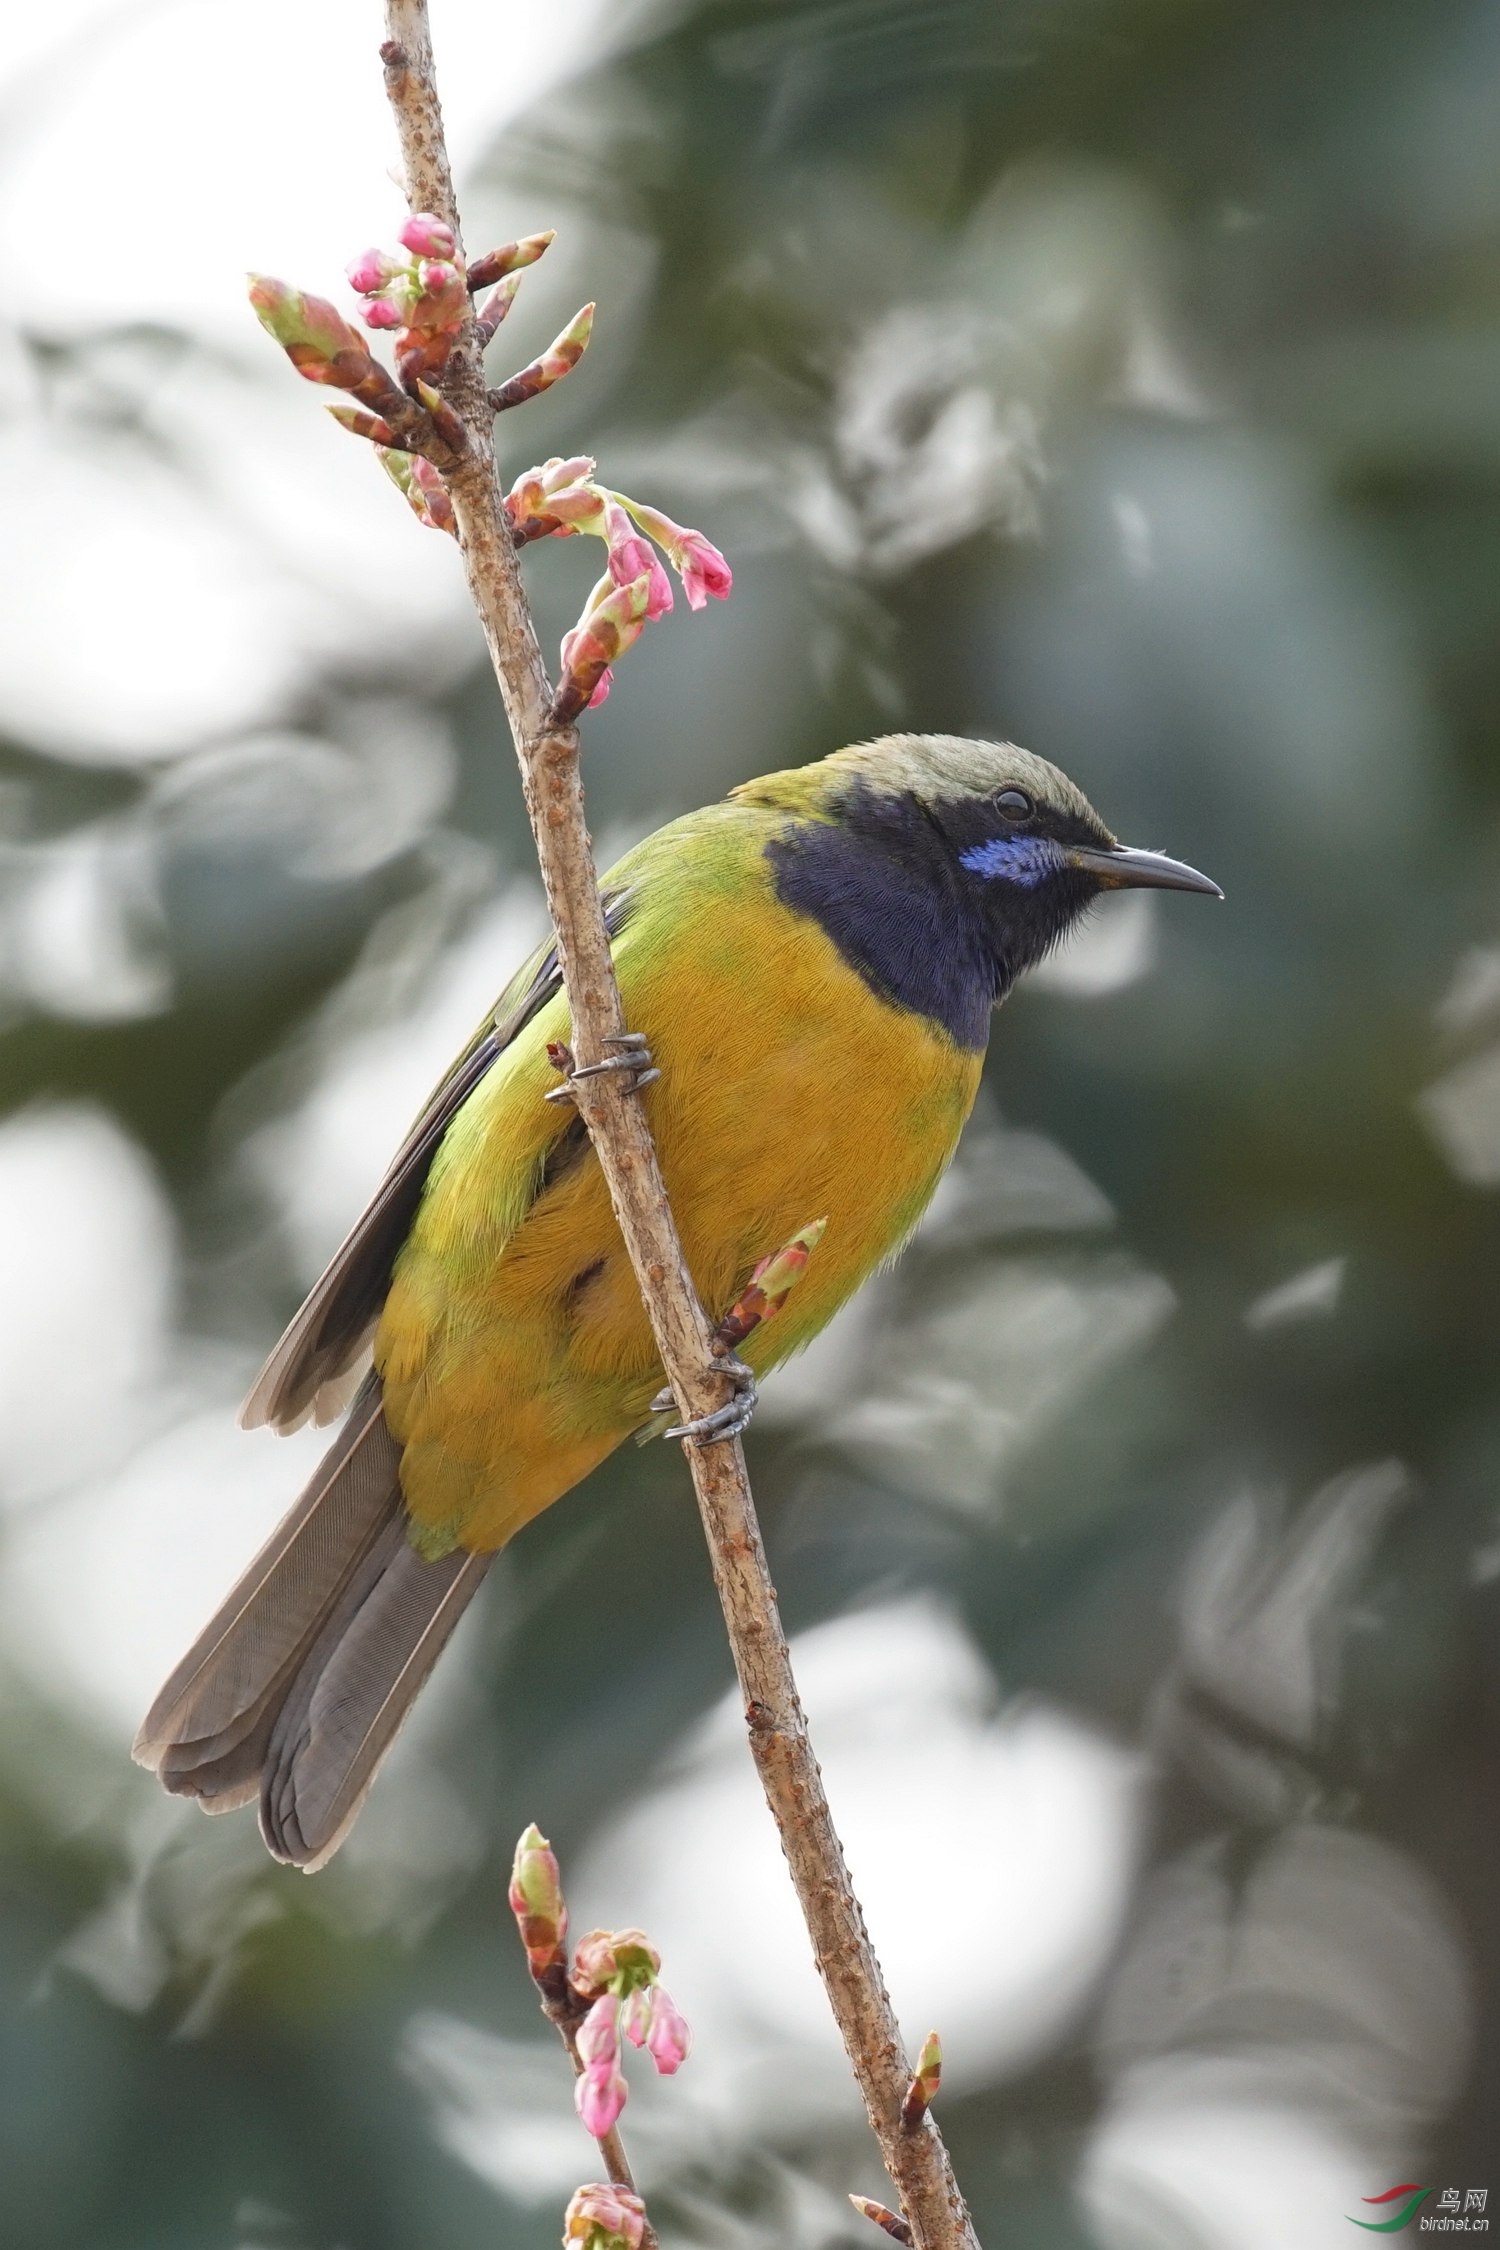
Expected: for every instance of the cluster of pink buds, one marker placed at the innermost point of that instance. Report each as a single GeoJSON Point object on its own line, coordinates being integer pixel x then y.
{"type": "Point", "coordinates": [618, 1972]}
{"type": "Point", "coordinates": [422, 292]}
{"type": "Point", "coordinates": [615, 1977]}
{"type": "Point", "coordinates": [424, 295]}
{"type": "Point", "coordinates": [604, 2217]}
{"type": "Point", "coordinates": [560, 499]}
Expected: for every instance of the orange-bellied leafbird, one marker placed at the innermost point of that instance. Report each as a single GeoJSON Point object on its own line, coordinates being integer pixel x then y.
{"type": "Point", "coordinates": [813, 964]}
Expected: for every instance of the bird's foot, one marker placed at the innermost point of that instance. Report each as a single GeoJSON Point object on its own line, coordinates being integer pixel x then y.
{"type": "Point", "coordinates": [634, 1056]}
{"type": "Point", "coordinates": [726, 1421]}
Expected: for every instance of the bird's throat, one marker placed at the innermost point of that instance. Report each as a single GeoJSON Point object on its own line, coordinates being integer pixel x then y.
{"type": "Point", "coordinates": [880, 881]}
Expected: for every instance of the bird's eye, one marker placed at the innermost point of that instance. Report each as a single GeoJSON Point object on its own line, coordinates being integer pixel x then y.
{"type": "Point", "coordinates": [1015, 804]}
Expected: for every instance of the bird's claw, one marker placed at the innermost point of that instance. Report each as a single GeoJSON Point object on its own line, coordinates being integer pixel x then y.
{"type": "Point", "coordinates": [726, 1421]}
{"type": "Point", "coordinates": [635, 1056]}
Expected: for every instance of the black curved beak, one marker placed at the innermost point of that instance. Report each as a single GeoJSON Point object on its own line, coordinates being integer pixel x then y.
{"type": "Point", "coordinates": [1119, 868]}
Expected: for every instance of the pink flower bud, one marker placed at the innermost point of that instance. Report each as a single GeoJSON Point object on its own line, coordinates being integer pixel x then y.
{"type": "Point", "coordinates": [704, 571]}
{"type": "Point", "coordinates": [579, 506]}
{"type": "Point", "coordinates": [598, 2036]}
{"type": "Point", "coordinates": [556, 473]}
{"type": "Point", "coordinates": [536, 1900]}
{"type": "Point", "coordinates": [696, 560]}
{"type": "Point", "coordinates": [630, 555]}
{"type": "Point", "coordinates": [668, 2039]}
{"type": "Point", "coordinates": [604, 2217]}
{"type": "Point", "coordinates": [427, 237]}
{"type": "Point", "coordinates": [383, 312]}
{"type": "Point", "coordinates": [635, 2017]}
{"type": "Point", "coordinates": [601, 2090]}
{"type": "Point", "coordinates": [435, 276]}
{"type": "Point", "coordinates": [371, 270]}
{"type": "Point", "coordinates": [599, 2096]}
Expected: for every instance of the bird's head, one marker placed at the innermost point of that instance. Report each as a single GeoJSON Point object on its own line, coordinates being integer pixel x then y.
{"type": "Point", "coordinates": [945, 868]}
{"type": "Point", "coordinates": [1026, 845]}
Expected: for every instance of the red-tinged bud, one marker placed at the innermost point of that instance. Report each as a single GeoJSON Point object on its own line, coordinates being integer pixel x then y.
{"type": "Point", "coordinates": [615, 617]}
{"type": "Point", "coordinates": [604, 2217]}
{"type": "Point", "coordinates": [435, 495]}
{"type": "Point", "coordinates": [495, 308]}
{"type": "Point", "coordinates": [364, 425]}
{"type": "Point", "coordinates": [315, 336]}
{"type": "Point", "coordinates": [560, 358]}
{"type": "Point", "coordinates": [770, 1285]}
{"type": "Point", "coordinates": [322, 346]}
{"type": "Point", "coordinates": [427, 237]}
{"type": "Point", "coordinates": [446, 419]}
{"type": "Point", "coordinates": [925, 2081]}
{"type": "Point", "coordinates": [383, 312]}
{"type": "Point", "coordinates": [509, 258]}
{"type": "Point", "coordinates": [436, 275]}
{"type": "Point", "coordinates": [371, 270]}
{"type": "Point", "coordinates": [868, 2208]}
{"type": "Point", "coordinates": [421, 487]}
{"type": "Point", "coordinates": [536, 1900]}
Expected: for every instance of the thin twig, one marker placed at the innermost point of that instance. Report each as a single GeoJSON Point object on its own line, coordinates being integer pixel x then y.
{"type": "Point", "coordinates": [916, 2160]}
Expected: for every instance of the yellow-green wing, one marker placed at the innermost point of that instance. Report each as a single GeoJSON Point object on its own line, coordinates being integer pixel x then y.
{"type": "Point", "coordinates": [321, 1356]}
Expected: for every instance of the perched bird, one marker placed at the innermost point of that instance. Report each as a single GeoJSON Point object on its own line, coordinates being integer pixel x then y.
{"type": "Point", "coordinates": [813, 964]}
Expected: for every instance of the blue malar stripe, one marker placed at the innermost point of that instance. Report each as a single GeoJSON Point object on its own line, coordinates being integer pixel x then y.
{"type": "Point", "coordinates": [1027, 860]}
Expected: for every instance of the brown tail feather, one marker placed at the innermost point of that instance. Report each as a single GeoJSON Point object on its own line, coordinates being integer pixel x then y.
{"type": "Point", "coordinates": [353, 1692]}
{"type": "Point", "coordinates": [296, 1688]}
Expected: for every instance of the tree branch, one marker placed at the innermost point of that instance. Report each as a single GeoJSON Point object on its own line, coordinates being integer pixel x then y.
{"type": "Point", "coordinates": [916, 2159]}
